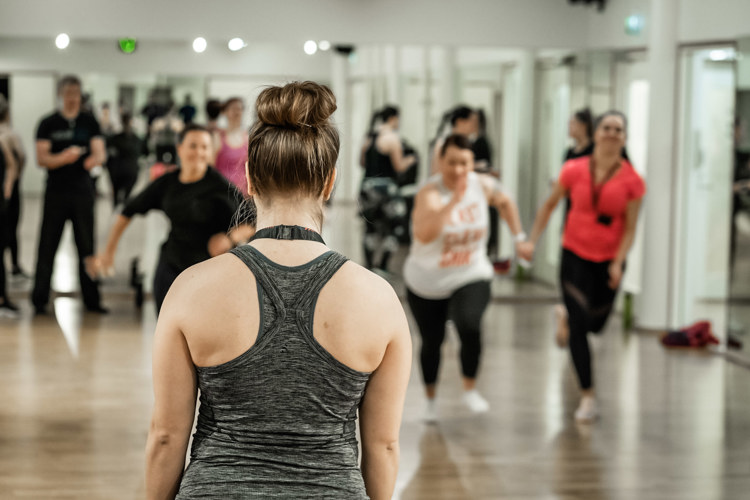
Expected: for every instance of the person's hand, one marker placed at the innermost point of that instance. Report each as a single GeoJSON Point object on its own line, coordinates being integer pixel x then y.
{"type": "Point", "coordinates": [525, 250]}
{"type": "Point", "coordinates": [89, 163]}
{"type": "Point", "coordinates": [71, 154]}
{"type": "Point", "coordinates": [615, 274]}
{"type": "Point", "coordinates": [219, 244]}
{"type": "Point", "coordinates": [100, 265]}
{"type": "Point", "coordinates": [411, 160]}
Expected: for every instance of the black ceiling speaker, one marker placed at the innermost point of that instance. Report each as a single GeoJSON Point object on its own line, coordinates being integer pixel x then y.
{"type": "Point", "coordinates": [344, 49]}
{"type": "Point", "coordinates": [600, 3]}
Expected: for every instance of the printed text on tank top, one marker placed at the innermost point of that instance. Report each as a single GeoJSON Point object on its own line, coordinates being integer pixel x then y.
{"type": "Point", "coordinates": [459, 242]}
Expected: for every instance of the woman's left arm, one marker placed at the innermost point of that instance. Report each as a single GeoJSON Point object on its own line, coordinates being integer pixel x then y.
{"type": "Point", "coordinates": [508, 211]}
{"type": "Point", "coordinates": [175, 390]}
{"type": "Point", "coordinates": [631, 221]}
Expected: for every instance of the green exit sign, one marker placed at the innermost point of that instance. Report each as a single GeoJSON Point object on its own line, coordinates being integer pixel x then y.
{"type": "Point", "coordinates": [127, 45]}
{"type": "Point", "coordinates": [633, 24]}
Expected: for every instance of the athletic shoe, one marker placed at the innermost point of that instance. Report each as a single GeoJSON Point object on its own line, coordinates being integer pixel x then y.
{"type": "Point", "coordinates": [97, 310]}
{"type": "Point", "coordinates": [562, 330]}
{"type": "Point", "coordinates": [429, 414]}
{"type": "Point", "coordinates": [475, 402]}
{"type": "Point", "coordinates": [8, 310]}
{"type": "Point", "coordinates": [20, 274]}
{"type": "Point", "coordinates": [587, 410]}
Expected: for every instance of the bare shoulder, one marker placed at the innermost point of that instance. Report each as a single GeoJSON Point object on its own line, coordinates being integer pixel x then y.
{"type": "Point", "coordinates": [210, 290]}
{"type": "Point", "coordinates": [428, 196]}
{"type": "Point", "coordinates": [364, 298]}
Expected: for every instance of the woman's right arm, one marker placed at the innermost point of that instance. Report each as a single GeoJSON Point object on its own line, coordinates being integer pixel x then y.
{"type": "Point", "coordinates": [382, 408]}
{"type": "Point", "coordinates": [107, 259]}
{"type": "Point", "coordinates": [543, 215]}
{"type": "Point", "coordinates": [430, 215]}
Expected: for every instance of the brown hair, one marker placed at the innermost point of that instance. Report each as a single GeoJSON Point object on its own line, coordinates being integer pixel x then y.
{"type": "Point", "coordinates": [293, 146]}
{"type": "Point", "coordinates": [231, 101]}
{"type": "Point", "coordinates": [456, 140]}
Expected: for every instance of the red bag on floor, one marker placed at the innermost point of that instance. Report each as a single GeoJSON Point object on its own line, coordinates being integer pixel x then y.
{"type": "Point", "coordinates": [696, 335]}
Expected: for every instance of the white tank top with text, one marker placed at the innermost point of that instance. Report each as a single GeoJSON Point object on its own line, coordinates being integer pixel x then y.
{"type": "Point", "coordinates": [458, 256]}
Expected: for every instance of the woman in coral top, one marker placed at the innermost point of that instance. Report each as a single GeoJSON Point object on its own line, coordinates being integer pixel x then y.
{"type": "Point", "coordinates": [605, 193]}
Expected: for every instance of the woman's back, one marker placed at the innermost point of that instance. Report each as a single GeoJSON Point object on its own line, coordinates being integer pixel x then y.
{"type": "Point", "coordinates": [280, 388]}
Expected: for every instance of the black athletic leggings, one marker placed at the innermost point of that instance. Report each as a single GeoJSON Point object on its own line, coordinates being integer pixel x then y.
{"type": "Point", "coordinates": [589, 300]}
{"type": "Point", "coordinates": [13, 215]}
{"type": "Point", "coordinates": [465, 307]}
{"type": "Point", "coordinates": [164, 276]}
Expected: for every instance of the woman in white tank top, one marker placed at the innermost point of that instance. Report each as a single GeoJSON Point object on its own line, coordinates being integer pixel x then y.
{"type": "Point", "coordinates": [447, 272]}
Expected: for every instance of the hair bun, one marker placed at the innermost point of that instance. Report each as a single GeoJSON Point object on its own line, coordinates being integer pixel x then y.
{"type": "Point", "coordinates": [296, 105]}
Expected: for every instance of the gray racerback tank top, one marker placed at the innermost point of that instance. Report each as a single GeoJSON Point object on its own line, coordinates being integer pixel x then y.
{"type": "Point", "coordinates": [279, 421]}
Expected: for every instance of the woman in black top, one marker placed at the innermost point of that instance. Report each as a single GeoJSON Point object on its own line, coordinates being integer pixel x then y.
{"type": "Point", "coordinates": [200, 205]}
{"type": "Point", "coordinates": [122, 161]}
{"type": "Point", "coordinates": [383, 159]}
{"type": "Point", "coordinates": [581, 130]}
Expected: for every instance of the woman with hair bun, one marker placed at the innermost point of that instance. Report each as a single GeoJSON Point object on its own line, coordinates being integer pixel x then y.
{"type": "Point", "coordinates": [287, 340]}
{"type": "Point", "coordinates": [383, 159]}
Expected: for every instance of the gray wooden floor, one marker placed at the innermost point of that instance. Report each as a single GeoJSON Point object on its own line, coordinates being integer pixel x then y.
{"type": "Point", "coordinates": [75, 401]}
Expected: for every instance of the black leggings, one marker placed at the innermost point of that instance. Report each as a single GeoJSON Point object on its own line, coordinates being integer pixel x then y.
{"type": "Point", "coordinates": [12, 216]}
{"type": "Point", "coordinates": [589, 300]}
{"type": "Point", "coordinates": [164, 276]}
{"type": "Point", "coordinates": [465, 307]}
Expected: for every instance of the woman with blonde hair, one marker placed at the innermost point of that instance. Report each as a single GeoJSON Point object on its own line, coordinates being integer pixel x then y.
{"type": "Point", "coordinates": [288, 341]}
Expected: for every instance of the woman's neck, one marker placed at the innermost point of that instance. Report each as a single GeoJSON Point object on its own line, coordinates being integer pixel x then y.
{"type": "Point", "coordinates": [192, 173]}
{"type": "Point", "coordinates": [289, 212]}
{"type": "Point", "coordinates": [234, 126]}
{"type": "Point", "coordinates": [604, 160]}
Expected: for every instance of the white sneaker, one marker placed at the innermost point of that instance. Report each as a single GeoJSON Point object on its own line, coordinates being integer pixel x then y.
{"type": "Point", "coordinates": [475, 402]}
{"type": "Point", "coordinates": [429, 414]}
{"type": "Point", "coordinates": [587, 410]}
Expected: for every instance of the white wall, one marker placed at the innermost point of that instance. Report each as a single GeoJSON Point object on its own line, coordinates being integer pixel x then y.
{"type": "Point", "coordinates": [160, 57]}
{"type": "Point", "coordinates": [517, 23]}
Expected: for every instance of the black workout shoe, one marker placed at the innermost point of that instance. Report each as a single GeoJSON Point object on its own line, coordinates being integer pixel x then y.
{"type": "Point", "coordinates": [8, 309]}
{"type": "Point", "coordinates": [97, 309]}
{"type": "Point", "coordinates": [20, 273]}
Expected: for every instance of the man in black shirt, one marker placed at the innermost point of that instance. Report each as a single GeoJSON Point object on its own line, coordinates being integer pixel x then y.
{"type": "Point", "coordinates": [69, 145]}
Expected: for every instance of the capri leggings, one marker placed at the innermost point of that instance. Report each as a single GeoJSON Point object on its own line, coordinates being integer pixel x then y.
{"type": "Point", "coordinates": [589, 300]}
{"type": "Point", "coordinates": [465, 307]}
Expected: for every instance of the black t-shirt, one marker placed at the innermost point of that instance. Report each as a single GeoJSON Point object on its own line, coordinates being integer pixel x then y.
{"type": "Point", "coordinates": [63, 133]}
{"type": "Point", "coordinates": [196, 211]}
{"type": "Point", "coordinates": [572, 154]}
{"type": "Point", "coordinates": [124, 150]}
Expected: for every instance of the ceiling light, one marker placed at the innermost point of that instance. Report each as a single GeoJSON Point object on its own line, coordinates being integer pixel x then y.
{"type": "Point", "coordinates": [62, 41]}
{"type": "Point", "coordinates": [236, 44]}
{"type": "Point", "coordinates": [310, 47]}
{"type": "Point", "coordinates": [199, 44]}
{"type": "Point", "coordinates": [324, 45]}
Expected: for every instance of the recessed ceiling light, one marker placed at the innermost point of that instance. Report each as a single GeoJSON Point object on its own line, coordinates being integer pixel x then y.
{"type": "Point", "coordinates": [311, 47]}
{"type": "Point", "coordinates": [62, 41]}
{"type": "Point", "coordinates": [199, 44]}
{"type": "Point", "coordinates": [324, 45]}
{"type": "Point", "coordinates": [236, 44]}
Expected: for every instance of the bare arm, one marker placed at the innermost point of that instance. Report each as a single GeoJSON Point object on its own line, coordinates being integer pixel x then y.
{"type": "Point", "coordinates": [392, 145]}
{"type": "Point", "coordinates": [363, 152]}
{"type": "Point", "coordinates": [430, 215]}
{"type": "Point", "coordinates": [17, 146]}
{"type": "Point", "coordinates": [51, 161]}
{"type": "Point", "coordinates": [382, 408]}
{"type": "Point", "coordinates": [631, 221]}
{"type": "Point", "coordinates": [98, 153]}
{"type": "Point", "coordinates": [11, 170]}
{"type": "Point", "coordinates": [545, 211]}
{"type": "Point", "coordinates": [106, 260]}
{"type": "Point", "coordinates": [175, 390]}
